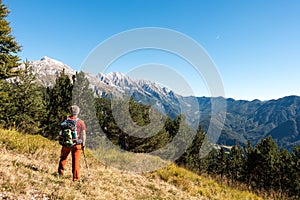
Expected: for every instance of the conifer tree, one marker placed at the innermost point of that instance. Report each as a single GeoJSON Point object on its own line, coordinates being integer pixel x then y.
{"type": "Point", "coordinates": [106, 119]}
{"type": "Point", "coordinates": [249, 166]}
{"type": "Point", "coordinates": [222, 163]}
{"type": "Point", "coordinates": [295, 175]}
{"type": "Point", "coordinates": [216, 161]}
{"type": "Point", "coordinates": [266, 161]}
{"type": "Point", "coordinates": [27, 107]}
{"type": "Point", "coordinates": [59, 100]}
{"type": "Point", "coordinates": [8, 63]}
{"type": "Point", "coordinates": [22, 105]}
{"type": "Point", "coordinates": [235, 163]}
{"type": "Point", "coordinates": [139, 113]}
{"type": "Point", "coordinates": [191, 159]}
{"type": "Point", "coordinates": [83, 96]}
{"type": "Point", "coordinates": [8, 47]}
{"type": "Point", "coordinates": [5, 102]}
{"type": "Point", "coordinates": [285, 175]}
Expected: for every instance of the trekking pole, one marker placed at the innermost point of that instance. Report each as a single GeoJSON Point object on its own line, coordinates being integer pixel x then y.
{"type": "Point", "coordinates": [86, 165]}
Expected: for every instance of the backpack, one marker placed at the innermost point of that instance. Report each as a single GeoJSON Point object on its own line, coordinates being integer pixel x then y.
{"type": "Point", "coordinates": [68, 133]}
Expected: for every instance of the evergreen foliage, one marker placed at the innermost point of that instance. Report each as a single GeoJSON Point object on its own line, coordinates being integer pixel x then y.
{"type": "Point", "coordinates": [83, 96]}
{"type": "Point", "coordinates": [285, 165]}
{"type": "Point", "coordinates": [8, 47]}
{"type": "Point", "coordinates": [191, 158]}
{"type": "Point", "coordinates": [139, 115]}
{"type": "Point", "coordinates": [263, 167]}
{"type": "Point", "coordinates": [58, 102]}
{"type": "Point", "coordinates": [22, 103]}
{"type": "Point", "coordinates": [235, 163]}
{"type": "Point", "coordinates": [5, 101]}
{"type": "Point", "coordinates": [32, 109]}
{"type": "Point", "coordinates": [266, 154]}
{"type": "Point", "coordinates": [294, 177]}
{"type": "Point", "coordinates": [28, 106]}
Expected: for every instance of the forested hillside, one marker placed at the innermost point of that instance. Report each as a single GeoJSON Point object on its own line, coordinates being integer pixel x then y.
{"type": "Point", "coordinates": [30, 115]}
{"type": "Point", "coordinates": [254, 120]}
{"type": "Point", "coordinates": [244, 120]}
{"type": "Point", "coordinates": [234, 165]}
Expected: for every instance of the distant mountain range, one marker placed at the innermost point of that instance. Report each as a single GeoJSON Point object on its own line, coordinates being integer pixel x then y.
{"type": "Point", "coordinates": [245, 120]}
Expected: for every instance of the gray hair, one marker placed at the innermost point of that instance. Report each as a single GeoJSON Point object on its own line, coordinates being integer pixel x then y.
{"type": "Point", "coordinates": [75, 110]}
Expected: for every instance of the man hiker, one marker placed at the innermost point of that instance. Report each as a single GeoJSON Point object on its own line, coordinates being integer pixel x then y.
{"type": "Point", "coordinates": [79, 143]}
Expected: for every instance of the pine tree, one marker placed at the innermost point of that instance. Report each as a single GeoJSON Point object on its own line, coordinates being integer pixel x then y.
{"type": "Point", "coordinates": [235, 163]}
{"type": "Point", "coordinates": [83, 96]}
{"type": "Point", "coordinates": [222, 163]}
{"type": "Point", "coordinates": [8, 63]}
{"type": "Point", "coordinates": [106, 120]}
{"type": "Point", "coordinates": [266, 162]}
{"type": "Point", "coordinates": [139, 113]}
{"type": "Point", "coordinates": [6, 101]}
{"type": "Point", "coordinates": [295, 173]}
{"type": "Point", "coordinates": [217, 160]}
{"type": "Point", "coordinates": [58, 103]}
{"type": "Point", "coordinates": [8, 47]}
{"type": "Point", "coordinates": [191, 159]}
{"type": "Point", "coordinates": [22, 105]}
{"type": "Point", "coordinates": [249, 166]}
{"type": "Point", "coordinates": [27, 108]}
{"type": "Point", "coordinates": [285, 175]}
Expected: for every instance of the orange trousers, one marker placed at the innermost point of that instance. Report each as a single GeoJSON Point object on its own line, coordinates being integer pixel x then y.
{"type": "Point", "coordinates": [65, 151]}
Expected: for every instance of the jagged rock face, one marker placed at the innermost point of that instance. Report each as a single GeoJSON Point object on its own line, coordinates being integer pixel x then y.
{"type": "Point", "coordinates": [104, 85]}
{"type": "Point", "coordinates": [48, 70]}
{"type": "Point", "coordinates": [245, 120]}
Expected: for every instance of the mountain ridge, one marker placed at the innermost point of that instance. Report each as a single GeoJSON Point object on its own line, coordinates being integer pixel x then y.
{"type": "Point", "coordinates": [245, 120]}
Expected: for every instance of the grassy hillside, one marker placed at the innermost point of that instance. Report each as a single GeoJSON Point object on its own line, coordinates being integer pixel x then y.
{"type": "Point", "coordinates": [29, 164]}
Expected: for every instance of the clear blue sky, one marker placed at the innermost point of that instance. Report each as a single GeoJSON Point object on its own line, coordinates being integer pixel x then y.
{"type": "Point", "coordinates": [254, 44]}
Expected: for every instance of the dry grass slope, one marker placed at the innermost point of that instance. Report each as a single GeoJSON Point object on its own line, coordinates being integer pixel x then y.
{"type": "Point", "coordinates": [28, 171]}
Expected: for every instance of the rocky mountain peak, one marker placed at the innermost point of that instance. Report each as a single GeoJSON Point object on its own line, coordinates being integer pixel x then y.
{"type": "Point", "coordinates": [245, 120]}
{"type": "Point", "coordinates": [51, 64]}
{"type": "Point", "coordinates": [48, 69]}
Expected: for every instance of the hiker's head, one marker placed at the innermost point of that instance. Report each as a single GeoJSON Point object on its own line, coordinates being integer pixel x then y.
{"type": "Point", "coordinates": [75, 110]}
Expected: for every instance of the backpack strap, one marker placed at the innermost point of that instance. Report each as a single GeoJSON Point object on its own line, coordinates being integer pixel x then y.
{"type": "Point", "coordinates": [76, 120]}
{"type": "Point", "coordinates": [79, 139]}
